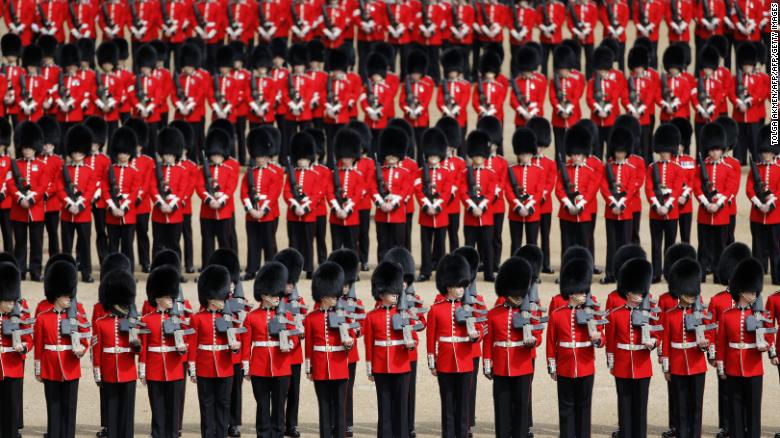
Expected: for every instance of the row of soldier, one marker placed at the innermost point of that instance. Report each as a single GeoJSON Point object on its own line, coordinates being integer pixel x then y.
{"type": "Point", "coordinates": [227, 340]}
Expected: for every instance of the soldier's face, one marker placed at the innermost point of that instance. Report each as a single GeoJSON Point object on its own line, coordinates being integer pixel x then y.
{"type": "Point", "coordinates": [77, 156]}
{"type": "Point", "coordinates": [433, 160]}
{"type": "Point", "coordinates": [389, 299]}
{"type": "Point", "coordinates": [416, 76]}
{"type": "Point", "coordinates": [456, 292]}
{"type": "Point", "coordinates": [620, 155]}
{"type": "Point", "coordinates": [453, 74]}
{"type": "Point", "coordinates": [290, 288]}
{"type": "Point", "coordinates": [328, 302]}
{"type": "Point", "coordinates": [62, 302]}
{"type": "Point", "coordinates": [32, 70]}
{"type": "Point", "coordinates": [269, 300]}
{"type": "Point", "coordinates": [376, 78]}
{"type": "Point", "coordinates": [524, 158]}
{"type": "Point", "coordinates": [6, 306]}
{"type": "Point", "coordinates": [299, 69]}
{"type": "Point", "coordinates": [639, 70]}
{"type": "Point", "coordinates": [748, 69]}
{"type": "Point", "coordinates": [303, 162]}
{"type": "Point", "coordinates": [687, 300]}
{"type": "Point", "coordinates": [72, 69]}
{"type": "Point", "coordinates": [634, 298]}
{"type": "Point", "coordinates": [169, 158]}
{"type": "Point", "coordinates": [707, 71]}
{"type": "Point", "coordinates": [123, 158]}
{"type": "Point", "coordinates": [217, 159]}
{"type": "Point", "coordinates": [146, 71]}
{"type": "Point", "coordinates": [164, 303]}
{"type": "Point", "coordinates": [216, 304]}
{"type": "Point", "coordinates": [478, 161]}
{"type": "Point", "coordinates": [768, 156]}
{"type": "Point", "coordinates": [391, 159]}
{"type": "Point", "coordinates": [578, 158]}
{"type": "Point", "coordinates": [261, 161]}
{"type": "Point", "coordinates": [107, 67]}
{"type": "Point", "coordinates": [28, 153]}
{"type": "Point", "coordinates": [577, 299]}
{"type": "Point", "coordinates": [747, 298]}
{"type": "Point", "coordinates": [514, 301]}
{"type": "Point", "coordinates": [715, 153]}
{"type": "Point", "coordinates": [347, 161]}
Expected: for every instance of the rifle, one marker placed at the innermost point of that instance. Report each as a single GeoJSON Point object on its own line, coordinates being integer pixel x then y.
{"type": "Point", "coordinates": [545, 13]}
{"type": "Point", "coordinates": [167, 18]}
{"type": "Point", "coordinates": [296, 308]}
{"type": "Point", "coordinates": [12, 13]}
{"type": "Point", "coordinates": [704, 98]}
{"type": "Point", "coordinates": [694, 322]}
{"type": "Point", "coordinates": [250, 185]}
{"type": "Point", "coordinates": [475, 192]}
{"type": "Point", "coordinates": [567, 188]}
{"type": "Point", "coordinates": [633, 94]}
{"type": "Point", "coordinates": [162, 187]}
{"type": "Point", "coordinates": [364, 14]}
{"type": "Point", "coordinates": [232, 23]}
{"type": "Point", "coordinates": [113, 188]}
{"type": "Point", "coordinates": [675, 12]}
{"type": "Point", "coordinates": [74, 17]}
{"type": "Point", "coordinates": [755, 323]}
{"type": "Point", "coordinates": [518, 94]}
{"type": "Point", "coordinates": [483, 102]}
{"type": "Point", "coordinates": [295, 17]}
{"type": "Point", "coordinates": [224, 324]}
{"type": "Point", "coordinates": [381, 186]}
{"type": "Point", "coordinates": [331, 96]}
{"type": "Point", "coordinates": [411, 99]}
{"type": "Point", "coordinates": [518, 191]}
{"type": "Point", "coordinates": [598, 92]}
{"type": "Point", "coordinates": [611, 15]}
{"type": "Point", "coordinates": [615, 190]}
{"type": "Point", "coordinates": [373, 101]}
{"type": "Point", "coordinates": [339, 317]}
{"type": "Point", "coordinates": [199, 19]}
{"type": "Point", "coordinates": [236, 304]}
{"type": "Point", "coordinates": [261, 15]}
{"type": "Point", "coordinates": [468, 313]}
{"type": "Point", "coordinates": [449, 101]}
{"type": "Point", "coordinates": [527, 321]}
{"type": "Point", "coordinates": [705, 7]}
{"type": "Point", "coordinates": [106, 16]}
{"type": "Point", "coordinates": [326, 18]}
{"type": "Point", "coordinates": [173, 325]}
{"type": "Point", "coordinates": [643, 20]}
{"type": "Point", "coordinates": [134, 13]}
{"type": "Point", "coordinates": [456, 21]}
{"type": "Point", "coordinates": [559, 94]}
{"type": "Point", "coordinates": [64, 91]}
{"type": "Point", "coordinates": [12, 327]}
{"type": "Point", "coordinates": [338, 190]}
{"type": "Point", "coordinates": [295, 96]}
{"type": "Point", "coordinates": [210, 185]}
{"type": "Point", "coordinates": [428, 189]}
{"type": "Point", "coordinates": [140, 94]}
{"type": "Point", "coordinates": [761, 189]}
{"type": "Point", "coordinates": [72, 192]}
{"type": "Point", "coordinates": [484, 14]}
{"type": "Point", "coordinates": [706, 186]}
{"type": "Point", "coordinates": [586, 315]}
{"type": "Point", "coordinates": [643, 316]}
{"type": "Point", "coordinates": [218, 96]}
{"type": "Point", "coordinates": [739, 13]}
{"type": "Point", "coordinates": [424, 11]}
{"type": "Point", "coordinates": [21, 183]}
{"type": "Point", "coordinates": [391, 16]}
{"type": "Point", "coordinates": [132, 325]}
{"type": "Point", "coordinates": [180, 94]}
{"type": "Point", "coordinates": [23, 91]}
{"type": "Point", "coordinates": [573, 15]}
{"type": "Point", "coordinates": [658, 187]}
{"type": "Point", "coordinates": [293, 182]}
{"type": "Point", "coordinates": [277, 326]}
{"type": "Point", "coordinates": [44, 20]}
{"type": "Point", "coordinates": [666, 92]}
{"type": "Point", "coordinates": [406, 320]}
{"type": "Point", "coordinates": [742, 93]}
{"type": "Point", "coordinates": [70, 326]}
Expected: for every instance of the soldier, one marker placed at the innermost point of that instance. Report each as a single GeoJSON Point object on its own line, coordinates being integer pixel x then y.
{"type": "Point", "coordinates": [175, 29]}
{"type": "Point", "coordinates": [13, 354]}
{"type": "Point", "coordinates": [6, 201]}
{"type": "Point", "coordinates": [76, 188]}
{"type": "Point", "coordinates": [263, 89]}
{"type": "Point", "coordinates": [377, 97]}
{"type": "Point", "coordinates": [489, 93]}
{"type": "Point", "coordinates": [709, 91]}
{"type": "Point", "coordinates": [164, 78]}
{"type": "Point", "coordinates": [120, 194]}
{"type": "Point", "coordinates": [186, 161]}
{"type": "Point", "coordinates": [401, 18]}
{"type": "Point", "coordinates": [338, 97]}
{"type": "Point", "coordinates": [113, 360]}
{"type": "Point", "coordinates": [69, 96]}
{"type": "Point", "coordinates": [215, 187]}
{"type": "Point", "coordinates": [211, 26]}
{"type": "Point", "coordinates": [541, 129]}
{"type": "Point", "coordinates": [35, 90]}
{"type": "Point", "coordinates": [168, 189]}
{"type": "Point", "coordinates": [565, 92]}
{"type": "Point", "coordinates": [528, 88]}
{"type": "Point", "coordinates": [53, 162]}
{"type": "Point", "coordinates": [639, 101]}
{"type": "Point", "coordinates": [684, 359]}
{"type": "Point", "coordinates": [261, 187]}
{"type": "Point", "coordinates": [345, 189]}
{"type": "Point", "coordinates": [389, 351]}
{"type": "Point", "coordinates": [738, 349]}
{"type": "Point", "coordinates": [27, 186]}
{"type": "Point", "coordinates": [710, 21]}
{"type": "Point", "coordinates": [58, 352]}
{"type": "Point", "coordinates": [603, 97]}
{"type": "Point", "coordinates": [456, 164]}
{"type": "Point", "coordinates": [126, 78]}
{"type": "Point", "coordinates": [628, 350]}
{"type": "Point", "coordinates": [191, 93]}
{"type": "Point", "coordinates": [716, 184]}
{"type": "Point", "coordinates": [327, 352]}
{"type": "Point", "coordinates": [477, 191]}
{"type": "Point", "coordinates": [688, 164]}
{"type": "Point", "coordinates": [109, 87]}
{"type": "Point", "coordinates": [367, 166]}
{"type": "Point", "coordinates": [148, 96]}
{"type": "Point", "coordinates": [144, 164]}
{"type": "Point", "coordinates": [553, 16]}
{"type": "Point", "coordinates": [99, 162]}
{"type": "Point", "coordinates": [450, 351]}
{"type": "Point", "coordinates": [336, 23]}
{"type": "Point", "coordinates": [19, 17]}
{"type": "Point", "coordinates": [162, 360]}
{"type": "Point", "coordinates": [762, 184]}
{"type": "Point", "coordinates": [732, 131]}
{"type": "Point", "coordinates": [293, 260]}
{"type": "Point", "coordinates": [225, 97]}
{"type": "Point", "coordinates": [675, 88]}
{"type": "Point", "coordinates": [211, 351]}
{"type": "Point", "coordinates": [453, 94]}
{"type": "Point", "coordinates": [298, 94]}
{"type": "Point", "coordinates": [321, 208]}
{"type": "Point", "coordinates": [509, 355]}
{"type": "Point", "coordinates": [433, 192]}
{"type": "Point", "coordinates": [524, 189]}
{"type": "Point", "coordinates": [581, 18]}
{"type": "Point", "coordinates": [748, 100]}
{"type": "Point", "coordinates": [242, 78]}
{"type": "Point", "coordinates": [266, 348]}
{"type": "Point", "coordinates": [409, 163]}
{"type": "Point", "coordinates": [242, 22]}
{"type": "Point", "coordinates": [319, 79]}
{"type": "Point", "coordinates": [416, 95]}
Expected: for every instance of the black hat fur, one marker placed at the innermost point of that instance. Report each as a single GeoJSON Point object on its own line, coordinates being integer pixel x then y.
{"type": "Point", "coordinates": [748, 276]}
{"type": "Point", "coordinates": [729, 258]}
{"type": "Point", "coordinates": [478, 144]}
{"type": "Point", "coordinates": [79, 139]}
{"type": "Point", "coordinates": [634, 276]}
{"type": "Point", "coordinates": [293, 261]}
{"type": "Point", "coordinates": [170, 141]}
{"type": "Point", "coordinates": [666, 139]}
{"type": "Point", "coordinates": [403, 257]}
{"type": "Point", "coordinates": [524, 141]}
{"type": "Point", "coordinates": [578, 140]}
{"type": "Point", "coordinates": [349, 262]}
{"type": "Point", "coordinates": [514, 278]}
{"type": "Point", "coordinates": [59, 280]}
{"type": "Point", "coordinates": [328, 281]}
{"type": "Point", "coordinates": [542, 129]}
{"type": "Point", "coordinates": [387, 278]}
{"type": "Point", "coordinates": [117, 288]}
{"type": "Point", "coordinates": [678, 251]}
{"type": "Point", "coordinates": [348, 144]}
{"type": "Point", "coordinates": [213, 284]}
{"type": "Point", "coordinates": [576, 276]}
{"type": "Point", "coordinates": [163, 281]}
{"type": "Point", "coordinates": [271, 280]}
{"type": "Point", "coordinates": [28, 135]}
{"type": "Point", "coordinates": [10, 282]}
{"type": "Point", "coordinates": [684, 278]}
{"type": "Point", "coordinates": [302, 145]}
{"type": "Point", "coordinates": [453, 271]}
{"type": "Point", "coordinates": [228, 259]}
{"type": "Point", "coordinates": [393, 141]}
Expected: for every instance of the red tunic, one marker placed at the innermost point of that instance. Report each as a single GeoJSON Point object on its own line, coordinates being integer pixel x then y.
{"type": "Point", "coordinates": [631, 358]}
{"type": "Point", "coordinates": [485, 185]}
{"type": "Point", "coordinates": [422, 90]}
{"type": "Point", "coordinates": [260, 352]}
{"type": "Point", "coordinates": [353, 190]}
{"type": "Point", "coordinates": [503, 349]}
{"type": "Point", "coordinates": [571, 89]}
{"type": "Point", "coordinates": [736, 354]}
{"type": "Point", "coordinates": [113, 359]}
{"type": "Point", "coordinates": [84, 181]}
{"type": "Point", "coordinates": [570, 352]}
{"type": "Point", "coordinates": [628, 180]}
{"type": "Point", "coordinates": [158, 360]}
{"type": "Point", "coordinates": [723, 178]}
{"type": "Point", "coordinates": [531, 180]}
{"type": "Point", "coordinates": [672, 178]}
{"type": "Point", "coordinates": [769, 174]}
{"type": "Point", "coordinates": [586, 181]}
{"type": "Point", "coordinates": [532, 93]}
{"type": "Point", "coordinates": [681, 354]}
{"type": "Point", "coordinates": [34, 174]}
{"type": "Point", "coordinates": [209, 354]}
{"type": "Point", "coordinates": [225, 181]}
{"type": "Point", "coordinates": [54, 358]}
{"type": "Point", "coordinates": [128, 183]}
{"type": "Point", "coordinates": [326, 356]}
{"type": "Point", "coordinates": [450, 349]}
{"type": "Point", "coordinates": [11, 362]}
{"type": "Point", "coordinates": [386, 352]}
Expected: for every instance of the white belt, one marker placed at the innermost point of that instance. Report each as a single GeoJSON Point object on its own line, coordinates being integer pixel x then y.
{"type": "Point", "coordinates": [265, 343]}
{"type": "Point", "coordinates": [631, 347]}
{"type": "Point", "coordinates": [390, 343]}
{"type": "Point", "coordinates": [116, 350]}
{"type": "Point", "coordinates": [213, 347]}
{"type": "Point", "coordinates": [741, 345]}
{"type": "Point", "coordinates": [57, 347]}
{"type": "Point", "coordinates": [7, 350]}
{"type": "Point", "coordinates": [574, 344]}
{"type": "Point", "coordinates": [328, 348]}
{"type": "Point", "coordinates": [684, 345]}
{"type": "Point", "coordinates": [508, 344]}
{"type": "Point", "coordinates": [163, 349]}
{"type": "Point", "coordinates": [454, 339]}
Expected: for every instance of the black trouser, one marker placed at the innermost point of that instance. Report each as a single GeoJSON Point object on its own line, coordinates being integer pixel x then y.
{"type": "Point", "coordinates": [166, 236]}
{"type": "Point", "coordinates": [211, 229]}
{"type": "Point", "coordinates": [232, 235]}
{"type": "Point", "coordinates": [61, 405]}
{"type": "Point", "coordinates": [301, 237]}
{"type": "Point", "coordinates": [83, 249]}
{"type": "Point", "coordinates": [6, 230]}
{"type": "Point", "coordinates": [672, 401]}
{"type": "Point", "coordinates": [712, 242]}
{"type": "Point", "coordinates": [331, 396]}
{"type": "Point", "coordinates": [473, 393]}
{"type": "Point", "coordinates": [214, 401]}
{"type": "Point", "coordinates": [35, 231]}
{"type": "Point", "coordinates": [602, 140]}
{"type": "Point", "coordinates": [211, 57]}
{"type": "Point", "coordinates": [291, 128]}
{"type": "Point", "coordinates": [235, 395]}
{"type": "Point", "coordinates": [165, 403]}
{"type": "Point", "coordinates": [270, 394]}
{"type": "Point", "coordinates": [498, 244]}
{"type": "Point", "coordinates": [260, 239]}
{"type": "Point", "coordinates": [186, 232]}
{"type": "Point", "coordinates": [559, 134]}
{"type": "Point", "coordinates": [388, 236]}
{"type": "Point", "coordinates": [330, 135]}
{"type": "Point", "coordinates": [545, 226]}
{"type": "Point", "coordinates": [103, 407]}
{"type": "Point", "coordinates": [432, 248]}
{"type": "Point", "coordinates": [197, 141]}
{"type": "Point", "coordinates": [574, 406]}
{"type": "Point", "coordinates": [574, 233]}
{"type": "Point", "coordinates": [412, 405]}
{"type": "Point", "coordinates": [434, 69]}
{"type": "Point", "coordinates": [392, 396]}
{"type": "Point", "coordinates": [766, 241]}
{"type": "Point", "coordinates": [10, 395]}
{"type": "Point", "coordinates": [482, 239]}
{"type": "Point", "coordinates": [402, 51]}
{"type": "Point", "coordinates": [408, 231]}
{"type": "Point", "coordinates": [645, 142]}
{"type": "Point", "coordinates": [120, 406]}
{"type": "Point", "coordinates": [51, 220]}
{"type": "Point", "coordinates": [618, 234]}
{"type": "Point", "coordinates": [516, 230]}
{"type": "Point", "coordinates": [732, 229]}
{"type": "Point", "coordinates": [636, 221]}
{"type": "Point", "coordinates": [663, 234]}
{"type": "Point", "coordinates": [588, 49]}
{"type": "Point", "coordinates": [632, 406]}
{"type": "Point", "coordinates": [342, 236]}
{"type": "Point", "coordinates": [363, 231]}
{"type": "Point", "coordinates": [685, 221]}
{"type": "Point", "coordinates": [591, 242]}
{"type": "Point", "coordinates": [101, 238]}
{"type": "Point", "coordinates": [510, 396]}
{"type": "Point", "coordinates": [293, 397]}
{"type": "Point", "coordinates": [122, 236]}
{"type": "Point", "coordinates": [321, 225]}
{"type": "Point", "coordinates": [349, 411]}
{"type": "Point", "coordinates": [454, 394]}
{"type": "Point", "coordinates": [745, 406]}
{"type": "Point", "coordinates": [364, 49]}
{"type": "Point", "coordinates": [142, 239]}
{"type": "Point", "coordinates": [452, 231]}
{"type": "Point", "coordinates": [724, 415]}
{"type": "Point", "coordinates": [476, 47]}
{"type": "Point", "coordinates": [688, 391]}
{"type": "Point", "coordinates": [241, 138]}
{"type": "Point", "coordinates": [547, 50]}
{"type": "Point", "coordinates": [747, 141]}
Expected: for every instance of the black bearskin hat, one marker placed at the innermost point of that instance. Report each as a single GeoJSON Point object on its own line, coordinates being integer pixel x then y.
{"type": "Point", "coordinates": [186, 132]}
{"type": "Point", "coordinates": [167, 257]}
{"type": "Point", "coordinates": [684, 278]}
{"type": "Point", "coordinates": [746, 55]}
{"type": "Point", "coordinates": [302, 145]}
{"type": "Point", "coordinates": [5, 132]}
{"type": "Point", "coordinates": [387, 278]}
{"type": "Point", "coordinates": [347, 144]}
{"type": "Point", "coordinates": [328, 281]}
{"type": "Point", "coordinates": [123, 141]}
{"type": "Point", "coordinates": [28, 135]}
{"type": "Point", "coordinates": [765, 141]}
{"type": "Point", "coordinates": [10, 282]}
{"type": "Point", "coordinates": [387, 51]}
{"type": "Point", "coordinates": [261, 57]}
{"type": "Point", "coordinates": [78, 139]}
{"type": "Point", "coordinates": [190, 56]}
{"type": "Point", "coordinates": [279, 48]}
{"type": "Point", "coordinates": [709, 57]}
{"type": "Point", "coordinates": [748, 276]}
{"type": "Point", "coordinates": [271, 280]}
{"type": "Point", "coordinates": [720, 43]}
{"type": "Point", "coordinates": [117, 288]}
{"type": "Point", "coordinates": [123, 47]}
{"type": "Point", "coordinates": [626, 253]}
{"type": "Point", "coordinates": [293, 261]}
{"type": "Point", "coordinates": [452, 131]}
{"type": "Point", "coordinates": [393, 141]}
{"type": "Point", "coordinates": [526, 59]}
{"type": "Point", "coordinates": [489, 63]}
{"type": "Point", "coordinates": [225, 57]}
{"type": "Point", "coordinates": [86, 48]}
{"type": "Point", "coordinates": [492, 126]}
{"type": "Point", "coordinates": [686, 131]}
{"type": "Point", "coordinates": [729, 258]}
{"type": "Point", "coordinates": [48, 45]}
{"type": "Point", "coordinates": [32, 56]}
{"type": "Point", "coordinates": [299, 55]}
{"type": "Point", "coordinates": [349, 262]}
{"type": "Point", "coordinates": [603, 58]}
{"type": "Point", "coordinates": [472, 257]}
{"type": "Point", "coordinates": [453, 271]}
{"type": "Point", "coordinates": [403, 257]}
{"type": "Point", "coordinates": [524, 141]}
{"type": "Point", "coordinates": [674, 57]}
{"type": "Point", "coordinates": [141, 130]}
{"type": "Point", "coordinates": [51, 130]}
{"type": "Point", "coordinates": [337, 60]}
{"type": "Point", "coordinates": [163, 281]}
{"type": "Point", "coordinates": [632, 124]}
{"type": "Point", "coordinates": [11, 45]}
{"type": "Point", "coordinates": [666, 139]}
{"type": "Point", "coordinates": [434, 142]}
{"type": "Point", "coordinates": [60, 279]}
{"type": "Point", "coordinates": [115, 261]}
{"type": "Point", "coordinates": [578, 140]}
{"type": "Point", "coordinates": [638, 57]}
{"type": "Point", "coordinates": [564, 58]}
{"type": "Point", "coordinates": [259, 143]}
{"type": "Point", "coordinates": [376, 65]}
{"type": "Point", "coordinates": [542, 129]}
{"type": "Point", "coordinates": [712, 136]}
{"type": "Point", "coordinates": [170, 141]}
{"type": "Point", "coordinates": [146, 56]}
{"type": "Point", "coordinates": [620, 140]}
{"type": "Point", "coordinates": [417, 62]}
{"type": "Point", "coordinates": [99, 129]}
{"type": "Point", "coordinates": [213, 284]}
{"type": "Point", "coordinates": [514, 278]}
{"type": "Point", "coordinates": [316, 51]}
{"type": "Point", "coordinates": [217, 142]}
{"type": "Point", "coordinates": [69, 55]}
{"type": "Point", "coordinates": [576, 276]}
{"type": "Point", "coordinates": [576, 252]}
{"type": "Point", "coordinates": [452, 60]}
{"type": "Point", "coordinates": [533, 255]}
{"type": "Point", "coordinates": [678, 251]}
{"type": "Point", "coordinates": [634, 276]}
{"type": "Point", "coordinates": [732, 130]}
{"type": "Point", "coordinates": [478, 144]}
{"type": "Point", "coordinates": [276, 136]}
{"type": "Point", "coordinates": [228, 259]}
{"type": "Point", "coordinates": [107, 53]}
